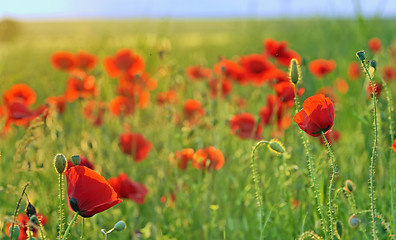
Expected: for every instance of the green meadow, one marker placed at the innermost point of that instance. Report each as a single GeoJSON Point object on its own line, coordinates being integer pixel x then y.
{"type": "Point", "coordinates": [217, 204]}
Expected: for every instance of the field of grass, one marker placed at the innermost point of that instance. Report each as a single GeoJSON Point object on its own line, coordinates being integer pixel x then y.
{"type": "Point", "coordinates": [217, 204]}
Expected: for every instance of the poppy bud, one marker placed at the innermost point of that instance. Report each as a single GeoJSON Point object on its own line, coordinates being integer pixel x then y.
{"type": "Point", "coordinates": [354, 221]}
{"type": "Point", "coordinates": [16, 232]}
{"type": "Point", "coordinates": [30, 210]}
{"type": "Point", "coordinates": [339, 229]}
{"type": "Point", "coordinates": [361, 55]}
{"type": "Point", "coordinates": [60, 163]}
{"type": "Point", "coordinates": [276, 146]}
{"type": "Point", "coordinates": [76, 160]}
{"type": "Point", "coordinates": [294, 71]}
{"type": "Point", "coordinates": [373, 64]}
{"type": "Point", "coordinates": [120, 226]}
{"type": "Point", "coordinates": [349, 186]}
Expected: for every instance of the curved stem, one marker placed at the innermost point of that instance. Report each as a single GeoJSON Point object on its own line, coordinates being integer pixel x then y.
{"type": "Point", "coordinates": [69, 227]}
{"type": "Point", "coordinates": [373, 154]}
{"type": "Point", "coordinates": [331, 207]}
{"type": "Point", "coordinates": [311, 170]}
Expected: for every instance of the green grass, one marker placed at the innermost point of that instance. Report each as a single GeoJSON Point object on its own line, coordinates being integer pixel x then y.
{"type": "Point", "coordinates": [26, 60]}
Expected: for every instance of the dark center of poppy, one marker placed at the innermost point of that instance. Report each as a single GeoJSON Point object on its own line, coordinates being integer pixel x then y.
{"type": "Point", "coordinates": [73, 204]}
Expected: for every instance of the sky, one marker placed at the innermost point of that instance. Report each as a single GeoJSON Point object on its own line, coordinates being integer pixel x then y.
{"type": "Point", "coordinates": [126, 9]}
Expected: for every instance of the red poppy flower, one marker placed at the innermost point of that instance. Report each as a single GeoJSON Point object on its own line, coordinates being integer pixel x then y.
{"type": "Point", "coordinates": [80, 88]}
{"type": "Point", "coordinates": [316, 116]}
{"type": "Point", "coordinates": [377, 89]}
{"type": "Point", "coordinates": [389, 73]}
{"type": "Point", "coordinates": [137, 86]}
{"type": "Point", "coordinates": [232, 70]}
{"type": "Point", "coordinates": [224, 85]}
{"type": "Point", "coordinates": [94, 112]}
{"type": "Point", "coordinates": [89, 193]}
{"type": "Point", "coordinates": [267, 111]}
{"type": "Point", "coordinates": [59, 103]}
{"type": "Point", "coordinates": [375, 45]}
{"type": "Point", "coordinates": [354, 70]}
{"type": "Point", "coordinates": [280, 52]}
{"type": "Point", "coordinates": [193, 110]}
{"type": "Point", "coordinates": [198, 72]}
{"type": "Point", "coordinates": [65, 61]}
{"type": "Point", "coordinates": [208, 158]}
{"type": "Point", "coordinates": [83, 162]}
{"type": "Point", "coordinates": [23, 224]}
{"type": "Point", "coordinates": [168, 97]}
{"type": "Point", "coordinates": [245, 126]}
{"type": "Point", "coordinates": [124, 61]}
{"type": "Point", "coordinates": [342, 85]}
{"type": "Point", "coordinates": [183, 157]}
{"type": "Point", "coordinates": [19, 114]}
{"type": "Point", "coordinates": [136, 145]}
{"type": "Point", "coordinates": [321, 67]}
{"type": "Point", "coordinates": [126, 188]}
{"type": "Point", "coordinates": [21, 92]}
{"type": "Point", "coordinates": [86, 61]}
{"type": "Point", "coordinates": [122, 106]}
{"type": "Point", "coordinates": [257, 68]}
{"type": "Point", "coordinates": [285, 91]}
{"type": "Point", "coordinates": [394, 146]}
{"type": "Point", "coordinates": [332, 136]}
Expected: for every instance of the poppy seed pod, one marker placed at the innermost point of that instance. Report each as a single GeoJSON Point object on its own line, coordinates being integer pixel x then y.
{"type": "Point", "coordinates": [349, 186]}
{"type": "Point", "coordinates": [354, 221]}
{"type": "Point", "coordinates": [276, 146]}
{"type": "Point", "coordinates": [120, 226]}
{"type": "Point", "coordinates": [361, 55]}
{"type": "Point", "coordinates": [373, 64]}
{"type": "Point", "coordinates": [60, 163]}
{"type": "Point", "coordinates": [16, 232]}
{"type": "Point", "coordinates": [76, 160]}
{"type": "Point", "coordinates": [294, 71]}
{"type": "Point", "coordinates": [30, 210]}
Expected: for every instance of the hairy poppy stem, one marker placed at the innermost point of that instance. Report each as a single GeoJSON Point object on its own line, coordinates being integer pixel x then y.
{"type": "Point", "coordinates": [61, 215]}
{"type": "Point", "coordinates": [311, 169]}
{"type": "Point", "coordinates": [373, 154]}
{"type": "Point", "coordinates": [259, 196]}
{"type": "Point", "coordinates": [331, 207]}
{"type": "Point", "coordinates": [69, 227]}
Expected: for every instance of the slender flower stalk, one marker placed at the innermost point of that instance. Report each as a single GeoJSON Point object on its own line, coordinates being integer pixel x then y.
{"type": "Point", "coordinates": [331, 187]}
{"type": "Point", "coordinates": [69, 226]}
{"type": "Point", "coordinates": [61, 215]}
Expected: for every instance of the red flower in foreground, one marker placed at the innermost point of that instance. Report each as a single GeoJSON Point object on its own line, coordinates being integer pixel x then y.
{"type": "Point", "coordinates": [316, 116]}
{"type": "Point", "coordinates": [183, 157]}
{"type": "Point", "coordinates": [332, 136]}
{"type": "Point", "coordinates": [198, 72]}
{"type": "Point", "coordinates": [321, 67]}
{"type": "Point", "coordinates": [208, 158]}
{"type": "Point", "coordinates": [394, 146]}
{"type": "Point", "coordinates": [89, 193]}
{"type": "Point", "coordinates": [21, 92]}
{"type": "Point", "coordinates": [65, 61]}
{"type": "Point", "coordinates": [245, 126]}
{"type": "Point", "coordinates": [375, 45]}
{"type": "Point", "coordinates": [136, 145]}
{"type": "Point", "coordinates": [23, 223]}
{"type": "Point", "coordinates": [126, 188]}
{"type": "Point", "coordinates": [124, 61]}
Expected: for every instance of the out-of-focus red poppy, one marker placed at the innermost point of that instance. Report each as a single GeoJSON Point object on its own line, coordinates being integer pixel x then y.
{"type": "Point", "coordinates": [394, 146]}
{"type": "Point", "coordinates": [80, 88]}
{"type": "Point", "coordinates": [136, 145]}
{"type": "Point", "coordinates": [245, 126]}
{"type": "Point", "coordinates": [83, 162]}
{"type": "Point", "coordinates": [224, 85]}
{"type": "Point", "coordinates": [122, 106]}
{"type": "Point", "coordinates": [94, 112]}
{"type": "Point", "coordinates": [342, 85]}
{"type": "Point", "coordinates": [23, 224]}
{"type": "Point", "coordinates": [168, 97]}
{"type": "Point", "coordinates": [316, 116]}
{"type": "Point", "coordinates": [257, 68]}
{"type": "Point", "coordinates": [89, 193]}
{"type": "Point", "coordinates": [198, 72]}
{"type": "Point", "coordinates": [183, 157]}
{"type": "Point", "coordinates": [354, 70]}
{"type": "Point", "coordinates": [377, 89]}
{"type": "Point", "coordinates": [19, 114]}
{"type": "Point", "coordinates": [208, 158]}
{"type": "Point", "coordinates": [285, 91]}
{"type": "Point", "coordinates": [137, 86]}
{"type": "Point", "coordinates": [21, 92]}
{"type": "Point", "coordinates": [86, 61]}
{"type": "Point", "coordinates": [321, 67]}
{"type": "Point", "coordinates": [332, 136]}
{"type": "Point", "coordinates": [124, 61]}
{"type": "Point", "coordinates": [193, 111]}
{"type": "Point", "coordinates": [277, 76]}
{"type": "Point", "coordinates": [59, 103]}
{"type": "Point", "coordinates": [374, 45]}
{"type": "Point", "coordinates": [267, 111]}
{"type": "Point", "coordinates": [280, 52]}
{"type": "Point", "coordinates": [388, 73]}
{"type": "Point", "coordinates": [63, 60]}
{"type": "Point", "coordinates": [126, 188]}
{"type": "Point", "coordinates": [232, 70]}
{"type": "Point", "coordinates": [172, 197]}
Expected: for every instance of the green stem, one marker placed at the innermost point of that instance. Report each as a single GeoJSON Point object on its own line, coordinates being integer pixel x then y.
{"type": "Point", "coordinates": [82, 229]}
{"type": "Point", "coordinates": [331, 207]}
{"type": "Point", "coordinates": [373, 154]}
{"type": "Point", "coordinates": [259, 196]}
{"type": "Point", "coordinates": [311, 170]}
{"type": "Point", "coordinates": [69, 226]}
{"type": "Point", "coordinates": [61, 216]}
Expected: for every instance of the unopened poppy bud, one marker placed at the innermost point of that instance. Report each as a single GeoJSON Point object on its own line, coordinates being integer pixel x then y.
{"type": "Point", "coordinates": [76, 160]}
{"type": "Point", "coordinates": [120, 226]}
{"type": "Point", "coordinates": [354, 221]}
{"type": "Point", "coordinates": [60, 163]}
{"type": "Point", "coordinates": [349, 186]}
{"type": "Point", "coordinates": [276, 146]}
{"type": "Point", "coordinates": [339, 229]}
{"type": "Point", "coordinates": [16, 232]}
{"type": "Point", "coordinates": [361, 55]}
{"type": "Point", "coordinates": [294, 71]}
{"type": "Point", "coordinates": [30, 210]}
{"type": "Point", "coordinates": [373, 64]}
